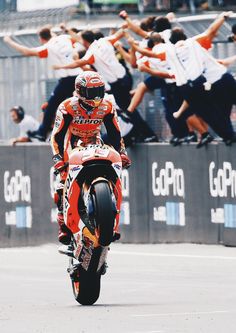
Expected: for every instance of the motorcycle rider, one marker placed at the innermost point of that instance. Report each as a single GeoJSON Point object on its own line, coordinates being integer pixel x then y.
{"type": "Point", "coordinates": [80, 118]}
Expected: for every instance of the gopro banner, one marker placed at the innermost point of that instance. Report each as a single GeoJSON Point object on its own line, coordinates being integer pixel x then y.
{"type": "Point", "coordinates": [170, 194]}
{"type": "Point", "coordinates": [179, 194]}
{"type": "Point", "coordinates": [223, 191]}
{"type": "Point", "coordinates": [25, 198]}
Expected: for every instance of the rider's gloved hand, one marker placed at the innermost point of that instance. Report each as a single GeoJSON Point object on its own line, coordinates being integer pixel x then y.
{"type": "Point", "coordinates": [126, 161]}
{"type": "Point", "coordinates": [59, 164]}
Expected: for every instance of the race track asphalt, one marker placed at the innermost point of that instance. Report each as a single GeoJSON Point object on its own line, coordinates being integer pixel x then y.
{"type": "Point", "coordinates": [147, 289]}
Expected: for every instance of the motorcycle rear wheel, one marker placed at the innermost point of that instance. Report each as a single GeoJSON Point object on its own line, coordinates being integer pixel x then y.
{"type": "Point", "coordinates": [86, 285]}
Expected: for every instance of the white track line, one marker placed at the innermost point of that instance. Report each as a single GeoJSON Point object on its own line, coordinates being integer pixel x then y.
{"type": "Point", "coordinates": [192, 256]}
{"type": "Point", "coordinates": [183, 313]}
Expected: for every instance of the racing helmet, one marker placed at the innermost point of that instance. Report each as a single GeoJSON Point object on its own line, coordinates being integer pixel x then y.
{"type": "Point", "coordinates": [90, 88]}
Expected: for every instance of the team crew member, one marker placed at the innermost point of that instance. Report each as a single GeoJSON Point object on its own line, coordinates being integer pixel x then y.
{"type": "Point", "coordinates": [160, 78]}
{"type": "Point", "coordinates": [59, 51]}
{"type": "Point", "coordinates": [80, 118]}
{"type": "Point", "coordinates": [151, 32]}
{"type": "Point", "coordinates": [101, 55]}
{"type": "Point", "coordinates": [160, 24]}
{"type": "Point", "coordinates": [170, 95]}
{"type": "Point", "coordinates": [204, 84]}
{"type": "Point", "coordinates": [130, 133]}
{"type": "Point", "coordinates": [163, 27]}
{"type": "Point", "coordinates": [232, 38]}
{"type": "Point", "coordinates": [26, 123]}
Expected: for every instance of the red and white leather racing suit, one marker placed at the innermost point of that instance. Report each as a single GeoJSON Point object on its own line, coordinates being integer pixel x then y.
{"type": "Point", "coordinates": [73, 122]}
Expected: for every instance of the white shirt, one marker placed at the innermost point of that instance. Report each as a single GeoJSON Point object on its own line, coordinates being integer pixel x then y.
{"type": "Point", "coordinates": [162, 65]}
{"type": "Point", "coordinates": [60, 50]}
{"type": "Point", "coordinates": [189, 60]}
{"type": "Point", "coordinates": [101, 55]}
{"type": "Point", "coordinates": [125, 126]}
{"type": "Point", "coordinates": [166, 34]}
{"type": "Point", "coordinates": [213, 70]}
{"type": "Point", "coordinates": [155, 63]}
{"type": "Point", "coordinates": [28, 123]}
{"type": "Point", "coordinates": [144, 45]}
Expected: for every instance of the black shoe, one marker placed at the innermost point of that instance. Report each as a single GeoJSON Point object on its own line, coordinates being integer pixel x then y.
{"type": "Point", "coordinates": [205, 139]}
{"type": "Point", "coordinates": [172, 140]}
{"type": "Point", "coordinates": [228, 142]}
{"type": "Point", "coordinates": [176, 141]}
{"type": "Point", "coordinates": [192, 137]}
{"type": "Point", "coordinates": [36, 135]}
{"type": "Point", "coordinates": [153, 138]}
{"type": "Point", "coordinates": [141, 125]}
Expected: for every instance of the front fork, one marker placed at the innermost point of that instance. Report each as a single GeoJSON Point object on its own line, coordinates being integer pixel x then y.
{"type": "Point", "coordinates": [85, 237]}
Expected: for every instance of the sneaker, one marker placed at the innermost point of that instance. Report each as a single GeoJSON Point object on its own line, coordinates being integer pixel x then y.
{"type": "Point", "coordinates": [176, 141]}
{"type": "Point", "coordinates": [205, 139]}
{"type": "Point", "coordinates": [36, 135]}
{"type": "Point", "coordinates": [153, 138]}
{"type": "Point", "coordinates": [192, 137]}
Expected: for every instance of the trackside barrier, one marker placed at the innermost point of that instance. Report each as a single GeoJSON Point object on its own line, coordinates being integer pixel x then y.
{"type": "Point", "coordinates": [170, 194]}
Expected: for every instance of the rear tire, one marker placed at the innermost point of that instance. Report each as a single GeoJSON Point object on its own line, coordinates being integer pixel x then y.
{"type": "Point", "coordinates": [89, 287]}
{"type": "Point", "coordinates": [86, 284]}
{"type": "Point", "coordinates": [105, 216]}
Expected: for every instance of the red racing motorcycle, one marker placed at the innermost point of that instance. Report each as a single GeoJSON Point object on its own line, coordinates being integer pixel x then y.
{"type": "Point", "coordinates": [92, 201]}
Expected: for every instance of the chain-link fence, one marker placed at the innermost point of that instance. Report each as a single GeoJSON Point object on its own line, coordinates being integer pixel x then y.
{"type": "Point", "coordinates": [29, 81]}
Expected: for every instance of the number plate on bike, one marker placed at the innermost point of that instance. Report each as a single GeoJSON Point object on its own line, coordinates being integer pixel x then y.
{"type": "Point", "coordinates": [95, 152]}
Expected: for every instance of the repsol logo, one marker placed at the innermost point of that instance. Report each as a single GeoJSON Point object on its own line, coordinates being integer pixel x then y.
{"type": "Point", "coordinates": [222, 182]}
{"type": "Point", "coordinates": [168, 180]}
{"type": "Point", "coordinates": [88, 121]}
{"type": "Point", "coordinates": [17, 187]}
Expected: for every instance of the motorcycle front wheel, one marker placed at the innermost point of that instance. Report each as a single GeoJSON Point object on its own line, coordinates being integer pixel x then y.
{"type": "Point", "coordinates": [104, 212]}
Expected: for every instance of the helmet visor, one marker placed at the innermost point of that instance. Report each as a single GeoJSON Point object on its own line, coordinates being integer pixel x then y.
{"type": "Point", "coordinates": [92, 93]}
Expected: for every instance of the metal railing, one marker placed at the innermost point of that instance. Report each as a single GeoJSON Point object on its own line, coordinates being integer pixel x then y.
{"type": "Point", "coordinates": [11, 20]}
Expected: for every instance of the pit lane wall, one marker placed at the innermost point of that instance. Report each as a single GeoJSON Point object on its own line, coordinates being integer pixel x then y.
{"type": "Point", "coordinates": [170, 194]}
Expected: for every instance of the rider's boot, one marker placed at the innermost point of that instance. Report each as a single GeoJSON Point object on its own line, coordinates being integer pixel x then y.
{"type": "Point", "coordinates": [64, 234]}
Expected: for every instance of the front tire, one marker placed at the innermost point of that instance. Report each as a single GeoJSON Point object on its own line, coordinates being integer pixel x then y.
{"type": "Point", "coordinates": [104, 215]}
